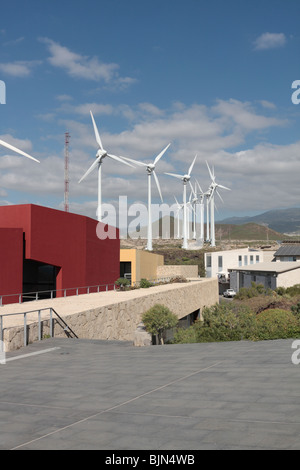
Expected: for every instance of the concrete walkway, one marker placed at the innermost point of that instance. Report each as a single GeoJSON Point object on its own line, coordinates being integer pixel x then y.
{"type": "Point", "coordinates": [83, 394]}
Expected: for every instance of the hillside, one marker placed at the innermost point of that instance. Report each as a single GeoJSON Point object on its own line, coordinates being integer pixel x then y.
{"type": "Point", "coordinates": [248, 231]}
{"type": "Point", "coordinates": [223, 231]}
{"type": "Point", "coordinates": [282, 220]}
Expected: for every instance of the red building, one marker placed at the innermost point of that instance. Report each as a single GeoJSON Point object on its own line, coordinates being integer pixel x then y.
{"type": "Point", "coordinates": [44, 249]}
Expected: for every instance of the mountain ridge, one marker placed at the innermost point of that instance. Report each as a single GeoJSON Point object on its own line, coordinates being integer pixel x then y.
{"type": "Point", "coordinates": [280, 220]}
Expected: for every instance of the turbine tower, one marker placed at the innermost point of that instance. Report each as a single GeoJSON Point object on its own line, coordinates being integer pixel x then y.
{"type": "Point", "coordinates": [194, 203]}
{"type": "Point", "coordinates": [150, 168]}
{"type": "Point", "coordinates": [199, 200]}
{"type": "Point", "coordinates": [201, 203]}
{"type": "Point", "coordinates": [67, 181]}
{"type": "Point", "coordinates": [213, 190]}
{"type": "Point", "coordinates": [179, 208]}
{"type": "Point", "coordinates": [100, 156]}
{"type": "Point", "coordinates": [185, 179]}
{"type": "Point", "coordinates": [207, 196]}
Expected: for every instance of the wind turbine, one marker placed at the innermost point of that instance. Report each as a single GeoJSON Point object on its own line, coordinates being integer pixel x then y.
{"type": "Point", "coordinates": [11, 147]}
{"type": "Point", "coordinates": [213, 189]}
{"type": "Point", "coordinates": [150, 168]}
{"type": "Point", "coordinates": [185, 179]}
{"type": "Point", "coordinates": [100, 155]}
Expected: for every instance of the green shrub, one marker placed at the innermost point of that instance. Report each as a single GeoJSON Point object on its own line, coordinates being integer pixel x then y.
{"type": "Point", "coordinates": [144, 283]}
{"type": "Point", "coordinates": [158, 319]}
{"type": "Point", "coordinates": [293, 290]}
{"type": "Point", "coordinates": [280, 290]}
{"type": "Point", "coordinates": [185, 335]}
{"type": "Point", "coordinates": [296, 310]}
{"type": "Point", "coordinates": [288, 291]}
{"type": "Point", "coordinates": [223, 322]}
{"type": "Point", "coordinates": [277, 323]}
{"type": "Point", "coordinates": [254, 291]}
{"type": "Point", "coordinates": [122, 282]}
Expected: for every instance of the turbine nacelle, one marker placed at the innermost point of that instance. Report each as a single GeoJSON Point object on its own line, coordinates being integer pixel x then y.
{"type": "Point", "coordinates": [101, 154]}
{"type": "Point", "coordinates": [150, 167]}
{"type": "Point", "coordinates": [186, 178]}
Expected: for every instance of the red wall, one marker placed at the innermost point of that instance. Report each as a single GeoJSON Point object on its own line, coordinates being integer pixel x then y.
{"type": "Point", "coordinates": [65, 240]}
{"type": "Point", "coordinates": [11, 263]}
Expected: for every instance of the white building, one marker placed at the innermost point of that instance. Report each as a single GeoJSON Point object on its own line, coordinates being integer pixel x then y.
{"type": "Point", "coordinates": [218, 263]}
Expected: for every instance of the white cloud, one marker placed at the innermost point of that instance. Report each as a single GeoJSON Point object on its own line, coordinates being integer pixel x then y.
{"type": "Point", "coordinates": [20, 69]}
{"type": "Point", "coordinates": [245, 117]}
{"type": "Point", "coordinates": [84, 67]}
{"type": "Point", "coordinates": [270, 41]}
{"type": "Point", "coordinates": [267, 104]}
{"type": "Point", "coordinates": [97, 109]}
{"type": "Point", "coordinates": [23, 144]}
{"type": "Point", "coordinates": [261, 177]}
{"type": "Point", "coordinates": [14, 42]}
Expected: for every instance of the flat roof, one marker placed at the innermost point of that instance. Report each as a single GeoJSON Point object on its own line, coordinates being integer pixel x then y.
{"type": "Point", "coordinates": [271, 266]}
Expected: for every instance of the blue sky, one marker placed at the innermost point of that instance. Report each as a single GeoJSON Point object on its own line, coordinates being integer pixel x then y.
{"type": "Point", "coordinates": [213, 78]}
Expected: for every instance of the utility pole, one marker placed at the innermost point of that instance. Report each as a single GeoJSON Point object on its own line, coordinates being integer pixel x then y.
{"type": "Point", "coordinates": [66, 193]}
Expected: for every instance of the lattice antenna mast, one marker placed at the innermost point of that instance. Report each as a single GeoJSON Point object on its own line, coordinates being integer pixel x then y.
{"type": "Point", "coordinates": [66, 194]}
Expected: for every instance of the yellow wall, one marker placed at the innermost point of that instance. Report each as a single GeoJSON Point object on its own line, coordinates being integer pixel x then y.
{"type": "Point", "coordinates": [143, 264]}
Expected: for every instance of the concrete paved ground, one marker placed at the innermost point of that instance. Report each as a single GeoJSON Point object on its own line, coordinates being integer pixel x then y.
{"type": "Point", "coordinates": [80, 394]}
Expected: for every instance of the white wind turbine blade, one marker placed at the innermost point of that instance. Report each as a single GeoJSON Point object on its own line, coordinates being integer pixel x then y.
{"type": "Point", "coordinates": [199, 187]}
{"type": "Point", "coordinates": [95, 163]}
{"type": "Point", "coordinates": [175, 176]}
{"type": "Point", "coordinates": [96, 132]}
{"type": "Point", "coordinates": [11, 147]}
{"type": "Point", "coordinates": [192, 189]}
{"type": "Point", "coordinates": [161, 154]}
{"type": "Point", "coordinates": [119, 159]}
{"type": "Point", "coordinates": [210, 173]}
{"type": "Point", "coordinates": [158, 186]}
{"type": "Point", "coordinates": [223, 187]}
{"type": "Point", "coordinates": [191, 167]}
{"type": "Point", "coordinates": [219, 195]}
{"type": "Point", "coordinates": [134, 161]}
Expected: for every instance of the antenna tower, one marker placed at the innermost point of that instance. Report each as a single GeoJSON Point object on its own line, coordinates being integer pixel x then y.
{"type": "Point", "coordinates": [66, 194]}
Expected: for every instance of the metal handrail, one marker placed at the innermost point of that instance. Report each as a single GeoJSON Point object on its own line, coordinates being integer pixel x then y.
{"type": "Point", "coordinates": [35, 295]}
{"type": "Point", "coordinates": [69, 332]}
{"type": "Point", "coordinates": [87, 289]}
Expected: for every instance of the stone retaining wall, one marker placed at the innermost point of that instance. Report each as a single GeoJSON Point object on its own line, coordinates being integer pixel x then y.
{"type": "Point", "coordinates": [119, 320]}
{"type": "Point", "coordinates": [189, 271]}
